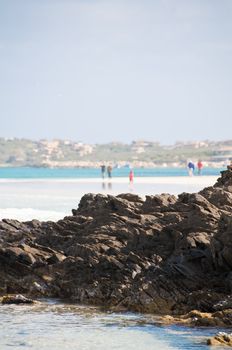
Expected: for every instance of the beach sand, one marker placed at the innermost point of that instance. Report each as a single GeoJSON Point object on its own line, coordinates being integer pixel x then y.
{"type": "Point", "coordinates": [52, 199]}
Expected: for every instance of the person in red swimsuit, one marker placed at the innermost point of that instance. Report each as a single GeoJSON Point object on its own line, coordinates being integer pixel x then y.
{"type": "Point", "coordinates": [199, 167]}
{"type": "Point", "coordinates": [131, 176]}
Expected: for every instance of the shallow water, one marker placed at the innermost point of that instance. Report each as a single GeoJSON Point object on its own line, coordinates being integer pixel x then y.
{"type": "Point", "coordinates": [52, 199]}
{"type": "Point", "coordinates": [55, 325]}
{"type": "Point", "coordinates": [50, 194]}
{"type": "Point", "coordinates": [57, 173]}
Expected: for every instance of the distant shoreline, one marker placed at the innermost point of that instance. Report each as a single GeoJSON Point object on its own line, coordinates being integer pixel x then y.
{"type": "Point", "coordinates": [141, 153]}
{"type": "Point", "coordinates": [97, 166]}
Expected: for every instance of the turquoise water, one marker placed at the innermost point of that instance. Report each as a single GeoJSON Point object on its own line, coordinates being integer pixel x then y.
{"type": "Point", "coordinates": [32, 173]}
{"type": "Point", "coordinates": [55, 325]}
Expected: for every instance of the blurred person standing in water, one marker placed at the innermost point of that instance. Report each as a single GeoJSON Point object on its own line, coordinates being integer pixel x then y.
{"type": "Point", "coordinates": [109, 171]}
{"type": "Point", "coordinates": [103, 170]}
{"type": "Point", "coordinates": [191, 168]}
{"type": "Point", "coordinates": [199, 167]}
{"type": "Point", "coordinates": [131, 176]}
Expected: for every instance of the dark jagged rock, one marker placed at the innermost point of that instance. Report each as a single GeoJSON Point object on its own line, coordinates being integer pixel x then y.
{"type": "Point", "coordinates": [166, 254]}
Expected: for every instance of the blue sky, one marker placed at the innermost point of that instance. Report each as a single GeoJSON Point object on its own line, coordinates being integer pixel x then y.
{"type": "Point", "coordinates": [107, 70]}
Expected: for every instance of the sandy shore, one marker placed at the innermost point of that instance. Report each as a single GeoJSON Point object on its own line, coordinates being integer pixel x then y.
{"type": "Point", "coordinates": [52, 199]}
{"type": "Point", "coordinates": [179, 180]}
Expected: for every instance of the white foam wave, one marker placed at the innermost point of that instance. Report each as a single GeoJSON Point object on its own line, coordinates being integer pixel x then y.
{"type": "Point", "coordinates": [24, 214]}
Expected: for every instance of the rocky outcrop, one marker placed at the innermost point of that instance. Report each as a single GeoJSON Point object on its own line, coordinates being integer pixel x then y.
{"type": "Point", "coordinates": [164, 254]}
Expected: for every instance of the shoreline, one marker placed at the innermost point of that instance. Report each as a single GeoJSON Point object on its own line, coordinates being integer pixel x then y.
{"type": "Point", "coordinates": [189, 180]}
{"type": "Point", "coordinates": [56, 197]}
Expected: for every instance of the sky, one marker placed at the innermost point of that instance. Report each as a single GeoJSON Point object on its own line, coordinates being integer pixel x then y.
{"type": "Point", "coordinates": [116, 70]}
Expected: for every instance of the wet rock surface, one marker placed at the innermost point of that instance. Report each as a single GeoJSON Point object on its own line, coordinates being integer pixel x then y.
{"type": "Point", "coordinates": [16, 299]}
{"type": "Point", "coordinates": [197, 318]}
{"type": "Point", "coordinates": [164, 254]}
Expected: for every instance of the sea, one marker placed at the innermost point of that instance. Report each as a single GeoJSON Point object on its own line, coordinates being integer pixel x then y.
{"type": "Point", "coordinates": [51, 193]}
{"type": "Point", "coordinates": [73, 173]}
{"type": "Point", "coordinates": [59, 325]}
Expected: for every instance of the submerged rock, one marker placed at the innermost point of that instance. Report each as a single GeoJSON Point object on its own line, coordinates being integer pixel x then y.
{"type": "Point", "coordinates": [201, 319]}
{"type": "Point", "coordinates": [164, 254]}
{"type": "Point", "coordinates": [221, 338]}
